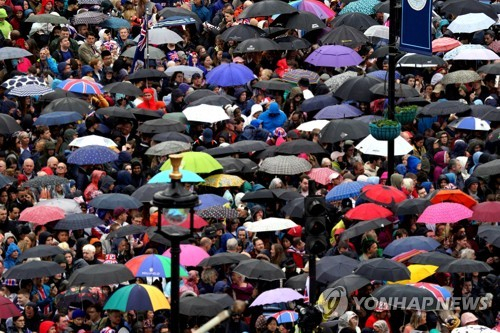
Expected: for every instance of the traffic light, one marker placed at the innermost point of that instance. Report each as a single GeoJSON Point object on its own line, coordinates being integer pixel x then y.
{"type": "Point", "coordinates": [315, 224]}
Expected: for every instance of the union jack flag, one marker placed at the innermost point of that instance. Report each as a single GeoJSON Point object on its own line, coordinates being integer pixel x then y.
{"type": "Point", "coordinates": [141, 47]}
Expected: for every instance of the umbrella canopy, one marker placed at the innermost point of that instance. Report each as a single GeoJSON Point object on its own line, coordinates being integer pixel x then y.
{"type": "Point", "coordinates": [81, 86]}
{"type": "Point", "coordinates": [372, 146]}
{"type": "Point", "coordinates": [302, 20]}
{"type": "Point", "coordinates": [69, 206]}
{"type": "Point", "coordinates": [8, 52]}
{"type": "Point", "coordinates": [382, 195]}
{"type": "Point", "coordinates": [462, 7]}
{"type": "Point", "coordinates": [441, 293]}
{"type": "Point", "coordinates": [271, 224]}
{"type": "Point", "coordinates": [470, 124]}
{"type": "Point", "coordinates": [150, 74]}
{"type": "Point", "coordinates": [336, 81]}
{"type": "Point", "coordinates": [222, 181]}
{"type": "Point", "coordinates": [138, 297]}
{"type": "Point", "coordinates": [162, 36]}
{"type": "Point", "coordinates": [41, 251]}
{"type": "Point", "coordinates": [41, 214]}
{"type": "Point", "coordinates": [406, 297]}
{"type": "Point", "coordinates": [295, 75]}
{"type": "Point", "coordinates": [30, 90]}
{"type": "Point", "coordinates": [146, 192]}
{"type": "Point", "coordinates": [117, 112]}
{"type": "Point", "coordinates": [332, 268]}
{"type": "Point", "coordinates": [450, 55]}
{"type": "Point", "coordinates": [188, 71]}
{"type": "Point", "coordinates": [456, 196]}
{"type": "Point", "coordinates": [478, 54]}
{"type": "Point", "coordinates": [318, 102]}
{"type": "Point", "coordinates": [228, 75]}
{"type": "Point", "coordinates": [492, 115]}
{"type": "Point", "coordinates": [383, 269]}
{"type": "Point", "coordinates": [359, 21]}
{"type": "Point", "coordinates": [401, 90]}
{"type": "Point", "coordinates": [487, 169]}
{"type": "Point", "coordinates": [410, 243]}
{"type": "Point", "coordinates": [343, 129]}
{"type": "Point", "coordinates": [44, 181]}
{"type": "Point", "coordinates": [473, 329]}
{"type": "Point", "coordinates": [286, 316]}
{"type": "Point", "coordinates": [309, 126]}
{"type": "Point", "coordinates": [444, 44]}
{"type": "Point", "coordinates": [210, 200]}
{"type": "Point", "coordinates": [46, 18]}
{"type": "Point", "coordinates": [168, 148]}
{"type": "Point", "coordinates": [152, 265]}
{"type": "Point", "coordinates": [379, 31]}
{"type": "Point", "coordinates": [274, 84]}
{"type": "Point", "coordinates": [322, 175]}
{"type": "Point", "coordinates": [92, 140]}
{"type": "Point", "coordinates": [460, 76]}
{"type": "Point", "coordinates": [127, 230]}
{"type": "Point", "coordinates": [363, 7]}
{"type": "Point", "coordinates": [223, 258]}
{"type": "Point", "coordinates": [154, 53]}
{"type": "Point", "coordinates": [8, 308]}
{"type": "Point", "coordinates": [490, 234]}
{"type": "Point", "coordinates": [161, 125]}
{"type": "Point", "coordinates": [285, 165]}
{"type": "Point", "coordinates": [267, 8]}
{"type": "Point", "coordinates": [357, 88]}
{"type": "Point", "coordinates": [469, 23]}
{"type": "Point", "coordinates": [197, 162]}
{"type": "Point", "coordinates": [205, 113]}
{"type": "Point", "coordinates": [57, 118]}
{"type": "Point", "coordinates": [432, 258]}
{"type": "Point", "coordinates": [334, 56]}
{"type": "Point", "coordinates": [258, 44]}
{"type": "Point", "coordinates": [486, 211]}
{"type": "Point", "coordinates": [364, 226]}
{"type": "Point", "coordinates": [113, 200]}
{"type": "Point", "coordinates": [318, 8]}
{"type": "Point", "coordinates": [242, 32]}
{"type": "Point", "coordinates": [89, 18]}
{"type": "Point", "coordinates": [197, 94]}
{"type": "Point", "coordinates": [279, 295]}
{"type": "Point", "coordinates": [206, 305]}
{"type": "Point", "coordinates": [465, 266]}
{"type": "Point", "coordinates": [420, 61]}
{"type": "Point", "coordinates": [418, 273]}
{"type": "Point", "coordinates": [444, 108]}
{"type": "Point", "coordinates": [350, 283]}
{"type": "Point", "coordinates": [19, 81]}
{"type": "Point", "coordinates": [344, 35]}
{"type": "Point", "coordinates": [114, 23]}
{"type": "Point", "coordinates": [259, 270]}
{"type": "Point", "coordinates": [92, 154]}
{"type": "Point", "coordinates": [8, 125]}
{"type": "Point", "coordinates": [368, 211]}
{"type": "Point", "coordinates": [78, 222]}
{"type": "Point", "coordinates": [297, 282]}
{"type": "Point", "coordinates": [218, 213]}
{"type": "Point", "coordinates": [68, 104]}
{"type": "Point", "coordinates": [33, 269]}
{"type": "Point", "coordinates": [338, 112]}
{"type": "Point", "coordinates": [441, 213]}
{"type": "Point", "coordinates": [412, 206]}
{"type": "Point", "coordinates": [345, 190]}
{"type": "Point", "coordinates": [191, 255]}
{"type": "Point", "coordinates": [236, 165]}
{"type": "Point", "coordinates": [100, 275]}
{"type": "Point", "coordinates": [298, 146]}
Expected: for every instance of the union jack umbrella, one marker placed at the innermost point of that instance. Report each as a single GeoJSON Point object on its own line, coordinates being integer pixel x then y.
{"type": "Point", "coordinates": [89, 18]}
{"type": "Point", "coordinates": [81, 86]}
{"type": "Point", "coordinates": [441, 293]}
{"type": "Point", "coordinates": [30, 90]}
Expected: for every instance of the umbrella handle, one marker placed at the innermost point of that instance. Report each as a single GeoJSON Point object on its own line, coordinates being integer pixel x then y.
{"type": "Point", "coordinates": [214, 322]}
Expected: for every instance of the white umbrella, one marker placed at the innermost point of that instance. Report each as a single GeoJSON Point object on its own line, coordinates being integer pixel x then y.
{"type": "Point", "coordinates": [372, 146]}
{"type": "Point", "coordinates": [69, 206]}
{"type": "Point", "coordinates": [311, 125]}
{"type": "Point", "coordinates": [205, 113]}
{"type": "Point", "coordinates": [187, 70]}
{"type": "Point", "coordinates": [450, 55]}
{"type": "Point", "coordinates": [470, 23]}
{"type": "Point", "coordinates": [473, 329]}
{"type": "Point", "coordinates": [380, 31]}
{"type": "Point", "coordinates": [162, 36]}
{"type": "Point", "coordinates": [271, 224]}
{"type": "Point", "coordinates": [93, 140]}
{"type": "Point", "coordinates": [477, 54]}
{"type": "Point", "coordinates": [470, 123]}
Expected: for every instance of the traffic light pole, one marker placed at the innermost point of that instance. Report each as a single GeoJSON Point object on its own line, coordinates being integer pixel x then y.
{"type": "Point", "coordinates": [312, 259]}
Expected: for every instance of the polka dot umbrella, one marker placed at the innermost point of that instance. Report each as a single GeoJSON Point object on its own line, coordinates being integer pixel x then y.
{"type": "Point", "coordinates": [91, 155]}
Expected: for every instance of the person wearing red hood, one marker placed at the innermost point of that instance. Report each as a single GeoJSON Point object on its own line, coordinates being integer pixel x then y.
{"type": "Point", "coordinates": [149, 101]}
{"type": "Point", "coordinates": [47, 327]}
{"type": "Point", "coordinates": [47, 6]}
{"type": "Point", "coordinates": [94, 185]}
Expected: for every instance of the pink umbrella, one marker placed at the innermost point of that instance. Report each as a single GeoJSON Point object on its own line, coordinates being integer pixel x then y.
{"type": "Point", "coordinates": [41, 214]}
{"type": "Point", "coordinates": [321, 175]}
{"type": "Point", "coordinates": [191, 255]}
{"type": "Point", "coordinates": [445, 212]}
{"type": "Point", "coordinates": [486, 211]}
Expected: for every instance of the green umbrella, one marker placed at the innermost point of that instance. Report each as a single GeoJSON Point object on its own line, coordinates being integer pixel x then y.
{"type": "Point", "coordinates": [197, 162]}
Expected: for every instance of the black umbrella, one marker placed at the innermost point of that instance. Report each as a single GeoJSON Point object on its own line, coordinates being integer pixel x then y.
{"type": "Point", "coordinates": [489, 233]}
{"type": "Point", "coordinates": [401, 90]}
{"type": "Point", "coordinates": [223, 258]}
{"type": "Point", "coordinates": [263, 195]}
{"type": "Point", "coordinates": [332, 268]}
{"type": "Point", "coordinates": [248, 146]}
{"type": "Point", "coordinates": [302, 20]}
{"type": "Point", "coordinates": [274, 84]}
{"type": "Point", "coordinates": [411, 206]}
{"type": "Point", "coordinates": [286, 193]}
{"type": "Point", "coordinates": [220, 151]}
{"type": "Point", "coordinates": [127, 230]}
{"type": "Point", "coordinates": [179, 11]}
{"type": "Point", "coordinates": [344, 35]}
{"type": "Point", "coordinates": [420, 101]}
{"type": "Point", "coordinates": [406, 297]}
{"type": "Point", "coordinates": [197, 94]}
{"type": "Point", "coordinates": [146, 192]}
{"type": "Point", "coordinates": [464, 266]}
{"type": "Point", "coordinates": [355, 20]}
{"type": "Point", "coordinates": [68, 104]}
{"type": "Point", "coordinates": [298, 146]}
{"type": "Point", "coordinates": [144, 114]}
{"type": "Point", "coordinates": [350, 283]}
{"type": "Point", "coordinates": [384, 51]}
{"type": "Point", "coordinates": [431, 258]}
{"type": "Point", "coordinates": [444, 108]}
{"type": "Point", "coordinates": [78, 222]}
{"type": "Point", "coordinates": [161, 126]}
{"type": "Point", "coordinates": [268, 152]}
{"type": "Point", "coordinates": [480, 110]}
{"type": "Point", "coordinates": [364, 226]}
{"type": "Point", "coordinates": [487, 169]}
{"type": "Point", "coordinates": [493, 137]}
{"type": "Point", "coordinates": [318, 102]}
{"type": "Point", "coordinates": [172, 136]}
{"type": "Point", "coordinates": [297, 282]}
{"type": "Point", "coordinates": [206, 305]}
{"type": "Point", "coordinates": [383, 269]}
{"type": "Point", "coordinates": [56, 94]}
{"type": "Point", "coordinates": [415, 60]}
{"type": "Point", "coordinates": [242, 32]}
{"type": "Point", "coordinates": [357, 88]}
{"type": "Point", "coordinates": [382, 7]}
{"type": "Point", "coordinates": [259, 270]}
{"type": "Point", "coordinates": [216, 100]}
{"type": "Point", "coordinates": [292, 43]}
{"type": "Point", "coordinates": [117, 112]}
{"type": "Point", "coordinates": [490, 69]}
{"type": "Point", "coordinates": [462, 7]}
{"type": "Point", "coordinates": [267, 8]}
{"type": "Point", "coordinates": [124, 88]}
{"type": "Point", "coordinates": [41, 251]}
{"type": "Point", "coordinates": [154, 236]}
{"type": "Point", "coordinates": [8, 125]}
{"type": "Point", "coordinates": [34, 269]}
{"type": "Point", "coordinates": [100, 275]}
{"type": "Point", "coordinates": [493, 115]}
{"type": "Point", "coordinates": [47, 18]}
{"type": "Point", "coordinates": [147, 74]}
{"type": "Point", "coordinates": [233, 165]}
{"type": "Point", "coordinates": [4, 181]}
{"type": "Point", "coordinates": [256, 45]}
{"type": "Point", "coordinates": [45, 181]}
{"type": "Point", "coordinates": [343, 129]}
{"type": "Point", "coordinates": [113, 200]}
{"type": "Point", "coordinates": [294, 207]}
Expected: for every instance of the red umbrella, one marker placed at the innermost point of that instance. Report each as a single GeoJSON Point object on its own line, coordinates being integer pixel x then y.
{"type": "Point", "coordinates": [455, 196]}
{"type": "Point", "coordinates": [368, 211]}
{"type": "Point", "coordinates": [446, 212]}
{"type": "Point", "coordinates": [41, 214]}
{"type": "Point", "coordinates": [488, 211]}
{"type": "Point", "coordinates": [198, 223]}
{"type": "Point", "coordinates": [382, 195]}
{"type": "Point", "coordinates": [444, 44]}
{"type": "Point", "coordinates": [8, 309]}
{"type": "Point", "coordinates": [295, 231]}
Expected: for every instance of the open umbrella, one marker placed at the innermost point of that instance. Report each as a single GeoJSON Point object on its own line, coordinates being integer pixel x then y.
{"type": "Point", "coordinates": [223, 258]}
{"type": "Point", "coordinates": [92, 154]}
{"type": "Point", "coordinates": [19, 81]}
{"type": "Point", "coordinates": [258, 44]}
{"type": "Point", "coordinates": [460, 76]}
{"type": "Point", "coordinates": [168, 148]}
{"type": "Point", "coordinates": [191, 255]}
{"type": "Point", "coordinates": [318, 102]}
{"type": "Point", "coordinates": [372, 146]}
{"type": "Point", "coordinates": [378, 31]}
{"type": "Point", "coordinates": [69, 206]}
{"type": "Point", "coordinates": [446, 212]}
{"type": "Point", "coordinates": [127, 230]}
{"type": "Point", "coordinates": [198, 94]}
{"type": "Point", "coordinates": [114, 23]}
{"type": "Point", "coordinates": [206, 305]}
{"type": "Point", "coordinates": [125, 88]}
{"type": "Point", "coordinates": [418, 273]}
{"type": "Point", "coordinates": [46, 18]}
{"type": "Point", "coordinates": [359, 21]}
{"type": "Point", "coordinates": [462, 7]}
{"type": "Point", "coordinates": [344, 35]}
{"type": "Point", "coordinates": [315, 7]}
{"type": "Point", "coordinates": [68, 104]}
{"type": "Point", "coordinates": [274, 84]}
{"type": "Point", "coordinates": [41, 251]}
{"type": "Point", "coordinates": [41, 214]}
{"type": "Point", "coordinates": [411, 206]}
{"type": "Point", "coordinates": [406, 297]}
{"type": "Point", "coordinates": [364, 226]}
{"type": "Point", "coordinates": [456, 196]}
{"type": "Point", "coordinates": [332, 268]}
{"type": "Point", "coordinates": [345, 190]}
{"type": "Point", "coordinates": [8, 125]}
{"type": "Point", "coordinates": [410, 243]}
{"type": "Point", "coordinates": [267, 8]}
{"type": "Point", "coordinates": [78, 222]}
{"type": "Point", "coordinates": [210, 200]}
{"type": "Point", "coordinates": [92, 140]}
{"type": "Point", "coordinates": [90, 17]}
{"type": "Point", "coordinates": [227, 75]}
{"type": "Point", "coordinates": [57, 118]}
{"type": "Point", "coordinates": [470, 23]}
{"type": "Point", "coordinates": [242, 32]}
{"type": "Point", "coordinates": [368, 211]}
{"type": "Point", "coordinates": [432, 258]}
{"type": "Point", "coordinates": [8, 308]}
{"type": "Point", "coordinates": [321, 175]}
{"type": "Point", "coordinates": [441, 293]}
{"type": "Point", "coordinates": [302, 20]}
{"type": "Point", "coordinates": [138, 297]}
{"type": "Point", "coordinates": [443, 108]}
{"type": "Point", "coordinates": [152, 265]}
{"type": "Point", "coordinates": [490, 234]}
{"type": "Point", "coordinates": [298, 146]}
{"type": "Point", "coordinates": [259, 270]}
{"type": "Point", "coordinates": [334, 56]}
{"type": "Point", "coordinates": [100, 275]}
{"type": "Point", "coordinates": [343, 129]}
{"type": "Point", "coordinates": [271, 224]}
{"type": "Point", "coordinates": [146, 192]}
{"type": "Point", "coordinates": [285, 165]}
{"type": "Point", "coordinates": [116, 112]}
{"type": "Point", "coordinates": [338, 112]}
{"type": "Point", "coordinates": [383, 269]}
{"type": "Point", "coordinates": [218, 213]}
{"type": "Point", "coordinates": [350, 283]}
{"type": "Point", "coordinates": [8, 52]}
{"type": "Point", "coordinates": [401, 90]}
{"type": "Point", "coordinates": [30, 90]}
{"type": "Point", "coordinates": [286, 316]}
{"type": "Point", "coordinates": [486, 211]}
{"type": "Point", "coordinates": [470, 124]}
{"type": "Point", "coordinates": [297, 282]}
{"type": "Point", "coordinates": [33, 269]}
{"type": "Point", "coordinates": [415, 60]}
{"type": "Point", "coordinates": [295, 75]}
{"type": "Point", "coordinates": [222, 181]}
{"type": "Point", "coordinates": [113, 200]}
{"type": "Point", "coordinates": [197, 162]}
{"type": "Point", "coordinates": [487, 169]}
{"type": "Point", "coordinates": [233, 165]}
{"type": "Point", "coordinates": [382, 195]}
{"type": "Point", "coordinates": [205, 113]}
{"type": "Point", "coordinates": [81, 86]}
{"type": "Point", "coordinates": [309, 126]}
{"type": "Point", "coordinates": [44, 181]}
{"type": "Point", "coordinates": [465, 266]}
{"type": "Point", "coordinates": [444, 44]}
{"type": "Point", "coordinates": [357, 88]}
{"type": "Point", "coordinates": [279, 295]}
{"type": "Point", "coordinates": [161, 125]}
{"type": "Point", "coordinates": [479, 54]}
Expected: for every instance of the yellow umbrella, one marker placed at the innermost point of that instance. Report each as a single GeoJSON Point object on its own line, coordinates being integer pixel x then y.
{"type": "Point", "coordinates": [222, 180]}
{"type": "Point", "coordinates": [418, 273]}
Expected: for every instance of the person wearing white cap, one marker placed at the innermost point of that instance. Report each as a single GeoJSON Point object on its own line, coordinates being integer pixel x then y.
{"type": "Point", "coordinates": [255, 112]}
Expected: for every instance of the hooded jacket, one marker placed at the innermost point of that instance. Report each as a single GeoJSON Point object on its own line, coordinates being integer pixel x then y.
{"type": "Point", "coordinates": [273, 117]}
{"type": "Point", "coordinates": [123, 179]}
{"type": "Point", "coordinates": [10, 262]}
{"type": "Point", "coordinates": [67, 137]}
{"type": "Point", "coordinates": [413, 163]}
{"type": "Point", "coordinates": [152, 104]}
{"type": "Point", "coordinates": [94, 183]}
{"type": "Point", "coordinates": [440, 161]}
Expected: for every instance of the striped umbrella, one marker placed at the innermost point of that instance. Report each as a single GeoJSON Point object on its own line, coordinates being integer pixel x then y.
{"type": "Point", "coordinates": [139, 297]}
{"type": "Point", "coordinates": [295, 75]}
{"type": "Point", "coordinates": [81, 86]}
{"type": "Point", "coordinates": [30, 90]}
{"type": "Point", "coordinates": [407, 255]}
{"type": "Point", "coordinates": [152, 265]}
{"type": "Point", "coordinates": [318, 8]}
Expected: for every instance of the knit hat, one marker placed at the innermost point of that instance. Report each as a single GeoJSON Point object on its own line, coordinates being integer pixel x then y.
{"type": "Point", "coordinates": [86, 69]}
{"type": "Point", "coordinates": [78, 313]}
{"type": "Point", "coordinates": [208, 135]}
{"type": "Point", "coordinates": [184, 87]}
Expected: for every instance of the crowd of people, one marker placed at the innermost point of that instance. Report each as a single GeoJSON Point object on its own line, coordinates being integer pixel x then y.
{"type": "Point", "coordinates": [442, 158]}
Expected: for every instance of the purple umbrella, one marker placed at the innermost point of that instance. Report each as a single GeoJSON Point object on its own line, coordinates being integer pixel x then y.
{"type": "Point", "coordinates": [334, 56]}
{"type": "Point", "coordinates": [338, 112]}
{"type": "Point", "coordinates": [279, 295]}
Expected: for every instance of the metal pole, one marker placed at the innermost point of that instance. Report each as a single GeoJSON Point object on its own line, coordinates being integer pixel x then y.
{"type": "Point", "coordinates": [175, 251]}
{"type": "Point", "coordinates": [312, 279]}
{"type": "Point", "coordinates": [392, 80]}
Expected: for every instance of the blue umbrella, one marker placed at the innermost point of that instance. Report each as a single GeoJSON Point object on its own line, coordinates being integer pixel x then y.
{"type": "Point", "coordinates": [363, 7]}
{"type": "Point", "coordinates": [58, 118]}
{"type": "Point", "coordinates": [4, 181]}
{"type": "Point", "coordinates": [175, 21]}
{"type": "Point", "coordinates": [187, 177]}
{"type": "Point", "coordinates": [115, 23]}
{"type": "Point", "coordinates": [113, 200]}
{"type": "Point", "coordinates": [90, 155]}
{"type": "Point", "coordinates": [410, 243]}
{"type": "Point", "coordinates": [228, 75]}
{"type": "Point", "coordinates": [338, 112]}
{"type": "Point", "coordinates": [210, 200]}
{"type": "Point", "coordinates": [382, 75]}
{"type": "Point", "coordinates": [345, 190]}
{"type": "Point", "coordinates": [318, 102]}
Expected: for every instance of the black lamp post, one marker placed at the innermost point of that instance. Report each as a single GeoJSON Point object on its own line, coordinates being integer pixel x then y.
{"type": "Point", "coordinates": [177, 205]}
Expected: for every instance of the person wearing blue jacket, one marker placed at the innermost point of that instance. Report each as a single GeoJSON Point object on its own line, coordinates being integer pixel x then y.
{"type": "Point", "coordinates": [11, 255]}
{"type": "Point", "coordinates": [273, 117]}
